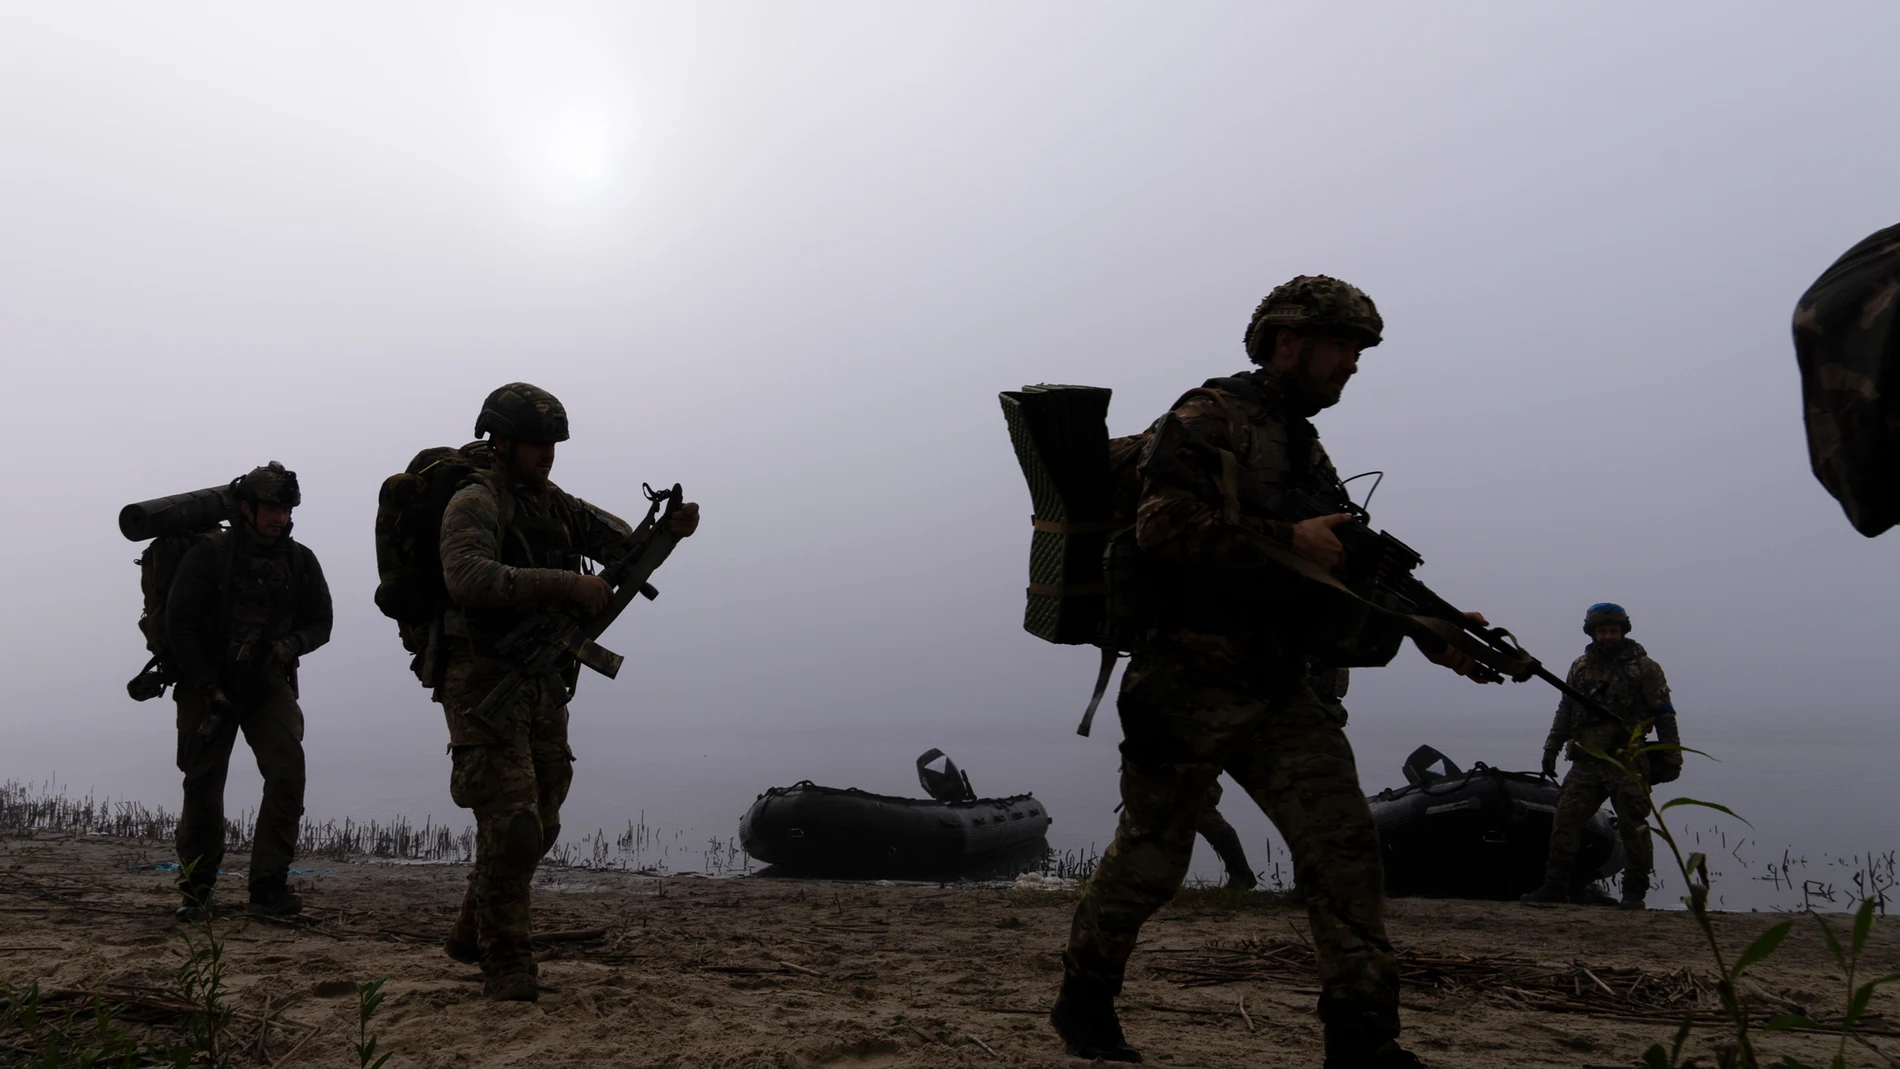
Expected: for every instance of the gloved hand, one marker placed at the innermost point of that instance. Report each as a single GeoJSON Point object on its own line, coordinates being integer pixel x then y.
{"type": "Point", "coordinates": [591, 593]}
{"type": "Point", "coordinates": [1664, 765]}
{"type": "Point", "coordinates": [217, 709]}
{"type": "Point", "coordinates": [1550, 764]}
{"type": "Point", "coordinates": [684, 521]}
{"type": "Point", "coordinates": [286, 650]}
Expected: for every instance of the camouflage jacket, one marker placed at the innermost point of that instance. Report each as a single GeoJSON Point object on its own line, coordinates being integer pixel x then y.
{"type": "Point", "coordinates": [232, 599]}
{"type": "Point", "coordinates": [1211, 473]}
{"type": "Point", "coordinates": [508, 548]}
{"type": "Point", "coordinates": [1629, 684]}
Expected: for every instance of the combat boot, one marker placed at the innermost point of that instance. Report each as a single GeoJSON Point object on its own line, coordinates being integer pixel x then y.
{"type": "Point", "coordinates": [194, 902]}
{"type": "Point", "coordinates": [462, 944]}
{"type": "Point", "coordinates": [1226, 844]}
{"type": "Point", "coordinates": [271, 897]}
{"type": "Point", "coordinates": [1554, 889]}
{"type": "Point", "coordinates": [196, 905]}
{"type": "Point", "coordinates": [1084, 1016]}
{"type": "Point", "coordinates": [1588, 895]}
{"type": "Point", "coordinates": [1634, 891]}
{"type": "Point", "coordinates": [512, 987]}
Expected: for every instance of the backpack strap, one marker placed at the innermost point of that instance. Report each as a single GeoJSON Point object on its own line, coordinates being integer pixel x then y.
{"type": "Point", "coordinates": [227, 559]}
{"type": "Point", "coordinates": [1212, 391]}
{"type": "Point", "coordinates": [1109, 657]}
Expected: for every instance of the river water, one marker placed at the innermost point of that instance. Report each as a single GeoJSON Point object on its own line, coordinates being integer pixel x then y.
{"type": "Point", "coordinates": [1817, 789]}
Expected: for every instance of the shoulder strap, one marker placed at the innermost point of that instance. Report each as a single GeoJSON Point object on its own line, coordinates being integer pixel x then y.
{"type": "Point", "coordinates": [1240, 387]}
{"type": "Point", "coordinates": [227, 558]}
{"type": "Point", "coordinates": [504, 503]}
{"type": "Point", "coordinates": [1214, 391]}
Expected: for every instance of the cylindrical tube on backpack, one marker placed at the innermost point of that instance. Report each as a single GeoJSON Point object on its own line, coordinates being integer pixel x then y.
{"type": "Point", "coordinates": [178, 514]}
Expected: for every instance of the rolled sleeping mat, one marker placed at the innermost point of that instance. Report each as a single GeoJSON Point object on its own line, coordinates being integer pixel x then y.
{"type": "Point", "coordinates": [1060, 434]}
{"type": "Point", "coordinates": [178, 514]}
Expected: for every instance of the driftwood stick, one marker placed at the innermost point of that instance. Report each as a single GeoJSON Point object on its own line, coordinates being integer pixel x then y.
{"type": "Point", "coordinates": [991, 1051]}
{"type": "Point", "coordinates": [1243, 1014]}
{"type": "Point", "coordinates": [292, 1052]}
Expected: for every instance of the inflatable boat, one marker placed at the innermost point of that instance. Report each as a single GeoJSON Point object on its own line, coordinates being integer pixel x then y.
{"type": "Point", "coordinates": [1483, 833]}
{"type": "Point", "coordinates": [811, 830]}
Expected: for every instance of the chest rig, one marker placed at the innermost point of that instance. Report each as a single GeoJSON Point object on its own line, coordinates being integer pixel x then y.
{"type": "Point", "coordinates": [260, 589]}
{"type": "Point", "coordinates": [534, 529]}
{"type": "Point", "coordinates": [1616, 683]}
{"type": "Point", "coordinates": [1272, 451]}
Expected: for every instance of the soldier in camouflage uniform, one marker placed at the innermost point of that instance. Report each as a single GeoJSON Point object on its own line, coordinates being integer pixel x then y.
{"type": "Point", "coordinates": [1329, 685]}
{"type": "Point", "coordinates": [1223, 683]}
{"type": "Point", "coordinates": [1619, 674]}
{"type": "Point", "coordinates": [244, 606]}
{"type": "Point", "coordinates": [512, 544]}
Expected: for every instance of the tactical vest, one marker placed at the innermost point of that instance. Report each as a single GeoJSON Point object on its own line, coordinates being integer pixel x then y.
{"type": "Point", "coordinates": [1274, 451]}
{"type": "Point", "coordinates": [536, 531]}
{"type": "Point", "coordinates": [1616, 683]}
{"type": "Point", "coordinates": [260, 590]}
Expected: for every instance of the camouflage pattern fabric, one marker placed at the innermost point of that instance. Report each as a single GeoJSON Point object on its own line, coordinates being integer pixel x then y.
{"type": "Point", "coordinates": [508, 550]}
{"type": "Point", "coordinates": [1182, 727]}
{"type": "Point", "coordinates": [1212, 826]}
{"type": "Point", "coordinates": [1847, 343]}
{"type": "Point", "coordinates": [1217, 588]}
{"type": "Point", "coordinates": [1626, 681]}
{"type": "Point", "coordinates": [1631, 685]}
{"type": "Point", "coordinates": [515, 788]}
{"type": "Point", "coordinates": [273, 727]}
{"type": "Point", "coordinates": [1221, 685]}
{"type": "Point", "coordinates": [1309, 302]}
{"type": "Point", "coordinates": [1587, 785]}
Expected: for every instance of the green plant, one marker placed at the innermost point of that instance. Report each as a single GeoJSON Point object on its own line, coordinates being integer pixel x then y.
{"type": "Point", "coordinates": [65, 1043]}
{"type": "Point", "coordinates": [1857, 996]}
{"type": "Point", "coordinates": [201, 982]}
{"type": "Point", "coordinates": [1633, 761]}
{"type": "Point", "coordinates": [368, 997]}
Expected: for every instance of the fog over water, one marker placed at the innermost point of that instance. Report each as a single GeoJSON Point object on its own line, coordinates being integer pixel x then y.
{"type": "Point", "coordinates": [788, 258]}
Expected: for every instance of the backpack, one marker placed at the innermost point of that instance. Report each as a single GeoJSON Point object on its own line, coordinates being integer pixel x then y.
{"type": "Point", "coordinates": [174, 525]}
{"type": "Point", "coordinates": [1084, 566]}
{"type": "Point", "coordinates": [158, 565]}
{"type": "Point", "coordinates": [1086, 580]}
{"type": "Point", "coordinates": [409, 511]}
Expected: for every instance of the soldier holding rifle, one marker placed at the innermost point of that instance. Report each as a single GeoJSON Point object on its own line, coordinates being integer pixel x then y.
{"type": "Point", "coordinates": [512, 547]}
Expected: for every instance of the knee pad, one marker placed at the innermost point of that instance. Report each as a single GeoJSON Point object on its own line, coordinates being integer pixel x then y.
{"type": "Point", "coordinates": [522, 842]}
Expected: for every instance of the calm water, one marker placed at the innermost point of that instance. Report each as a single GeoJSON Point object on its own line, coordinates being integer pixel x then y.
{"type": "Point", "coordinates": [1817, 789]}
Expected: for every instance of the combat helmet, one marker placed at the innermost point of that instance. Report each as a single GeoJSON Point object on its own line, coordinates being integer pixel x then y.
{"type": "Point", "coordinates": [524, 413]}
{"type": "Point", "coordinates": [1313, 301]}
{"type": "Point", "coordinates": [1605, 612]}
{"type": "Point", "coordinates": [272, 484]}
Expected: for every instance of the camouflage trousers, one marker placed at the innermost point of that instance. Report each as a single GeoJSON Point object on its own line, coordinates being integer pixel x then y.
{"type": "Point", "coordinates": [1182, 726]}
{"type": "Point", "coordinates": [515, 785]}
{"type": "Point", "coordinates": [273, 727]}
{"type": "Point", "coordinates": [1221, 835]}
{"type": "Point", "coordinates": [1587, 786]}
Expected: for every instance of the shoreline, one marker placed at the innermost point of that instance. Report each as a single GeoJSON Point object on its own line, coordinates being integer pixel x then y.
{"type": "Point", "coordinates": [683, 970]}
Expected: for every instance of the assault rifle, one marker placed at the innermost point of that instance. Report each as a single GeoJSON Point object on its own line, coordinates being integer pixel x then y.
{"type": "Point", "coordinates": [546, 645]}
{"type": "Point", "coordinates": [1379, 569]}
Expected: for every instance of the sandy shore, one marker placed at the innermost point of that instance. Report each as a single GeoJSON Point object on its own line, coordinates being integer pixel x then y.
{"type": "Point", "coordinates": [693, 972]}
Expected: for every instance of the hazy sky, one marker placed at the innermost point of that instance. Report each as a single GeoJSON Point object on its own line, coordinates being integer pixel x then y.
{"type": "Point", "coordinates": [787, 255]}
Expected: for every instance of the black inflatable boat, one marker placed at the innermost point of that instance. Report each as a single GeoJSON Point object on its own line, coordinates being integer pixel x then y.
{"type": "Point", "coordinates": [809, 830]}
{"type": "Point", "coordinates": [1484, 833]}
